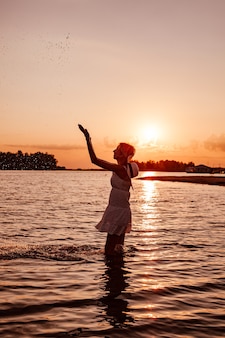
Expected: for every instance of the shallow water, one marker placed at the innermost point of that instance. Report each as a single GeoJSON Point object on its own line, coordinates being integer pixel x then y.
{"type": "Point", "coordinates": [55, 281]}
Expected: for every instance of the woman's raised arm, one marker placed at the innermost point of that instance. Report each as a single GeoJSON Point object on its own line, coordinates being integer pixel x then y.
{"type": "Point", "coordinates": [119, 169]}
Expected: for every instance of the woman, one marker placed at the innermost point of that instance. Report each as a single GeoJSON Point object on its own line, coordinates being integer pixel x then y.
{"type": "Point", "coordinates": [116, 220]}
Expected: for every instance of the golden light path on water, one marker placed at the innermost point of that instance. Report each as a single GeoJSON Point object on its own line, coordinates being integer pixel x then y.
{"type": "Point", "coordinates": [158, 226]}
{"type": "Point", "coordinates": [149, 206]}
{"type": "Point", "coordinates": [148, 225]}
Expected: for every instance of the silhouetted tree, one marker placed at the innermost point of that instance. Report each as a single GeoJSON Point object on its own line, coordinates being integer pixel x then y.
{"type": "Point", "coordinates": [20, 161]}
{"type": "Point", "coordinates": [163, 165]}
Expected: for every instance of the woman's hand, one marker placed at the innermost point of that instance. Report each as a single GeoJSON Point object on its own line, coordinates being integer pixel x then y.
{"type": "Point", "coordinates": [84, 131]}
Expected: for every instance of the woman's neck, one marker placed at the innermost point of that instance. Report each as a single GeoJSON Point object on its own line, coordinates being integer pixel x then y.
{"type": "Point", "coordinates": [122, 162]}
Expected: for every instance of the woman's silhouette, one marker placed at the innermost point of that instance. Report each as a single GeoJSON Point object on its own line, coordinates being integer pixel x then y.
{"type": "Point", "coordinates": [116, 220]}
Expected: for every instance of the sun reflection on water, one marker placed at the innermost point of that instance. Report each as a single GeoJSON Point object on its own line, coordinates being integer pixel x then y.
{"type": "Point", "coordinates": [148, 190]}
{"type": "Point", "coordinates": [147, 283]}
{"type": "Point", "coordinates": [148, 206]}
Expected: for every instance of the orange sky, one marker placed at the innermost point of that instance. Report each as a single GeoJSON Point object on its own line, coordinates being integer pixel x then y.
{"type": "Point", "coordinates": [147, 72]}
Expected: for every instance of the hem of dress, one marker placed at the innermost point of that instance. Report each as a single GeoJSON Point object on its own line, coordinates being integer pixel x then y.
{"type": "Point", "coordinates": [126, 231]}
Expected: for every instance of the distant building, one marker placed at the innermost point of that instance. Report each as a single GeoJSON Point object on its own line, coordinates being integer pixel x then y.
{"type": "Point", "coordinates": [201, 169]}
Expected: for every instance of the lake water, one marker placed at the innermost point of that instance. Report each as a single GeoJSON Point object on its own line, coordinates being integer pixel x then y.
{"type": "Point", "coordinates": [55, 281]}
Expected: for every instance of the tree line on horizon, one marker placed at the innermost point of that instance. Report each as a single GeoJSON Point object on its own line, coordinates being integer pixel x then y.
{"type": "Point", "coordinates": [20, 161]}
{"type": "Point", "coordinates": [164, 165]}
{"type": "Point", "coordinates": [45, 161]}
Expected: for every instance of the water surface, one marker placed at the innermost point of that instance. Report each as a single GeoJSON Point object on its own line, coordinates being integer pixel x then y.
{"type": "Point", "coordinates": [55, 281]}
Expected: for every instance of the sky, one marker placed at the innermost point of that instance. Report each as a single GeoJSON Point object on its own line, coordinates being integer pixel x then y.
{"type": "Point", "coordinates": [146, 72]}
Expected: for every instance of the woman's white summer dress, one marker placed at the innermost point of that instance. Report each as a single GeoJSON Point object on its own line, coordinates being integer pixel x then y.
{"type": "Point", "coordinates": [116, 219]}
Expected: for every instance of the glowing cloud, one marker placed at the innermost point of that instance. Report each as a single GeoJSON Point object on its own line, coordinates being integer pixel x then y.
{"type": "Point", "coordinates": [215, 143]}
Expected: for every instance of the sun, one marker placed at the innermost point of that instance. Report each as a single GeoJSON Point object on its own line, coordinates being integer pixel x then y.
{"type": "Point", "coordinates": [149, 135]}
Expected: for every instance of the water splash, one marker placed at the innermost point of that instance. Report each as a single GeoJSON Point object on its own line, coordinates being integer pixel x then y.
{"type": "Point", "coordinates": [49, 252]}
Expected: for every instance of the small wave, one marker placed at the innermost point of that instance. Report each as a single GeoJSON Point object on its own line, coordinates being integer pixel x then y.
{"type": "Point", "coordinates": [160, 327]}
{"type": "Point", "coordinates": [44, 307]}
{"type": "Point", "coordinates": [192, 246]}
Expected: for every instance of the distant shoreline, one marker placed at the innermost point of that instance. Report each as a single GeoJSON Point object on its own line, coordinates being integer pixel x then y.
{"type": "Point", "coordinates": [211, 180]}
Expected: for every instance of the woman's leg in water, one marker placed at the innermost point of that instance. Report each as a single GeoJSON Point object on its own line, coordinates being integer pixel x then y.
{"type": "Point", "coordinates": [114, 244]}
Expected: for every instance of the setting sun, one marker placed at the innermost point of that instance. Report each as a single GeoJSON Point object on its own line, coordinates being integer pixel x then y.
{"type": "Point", "coordinates": [149, 135]}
